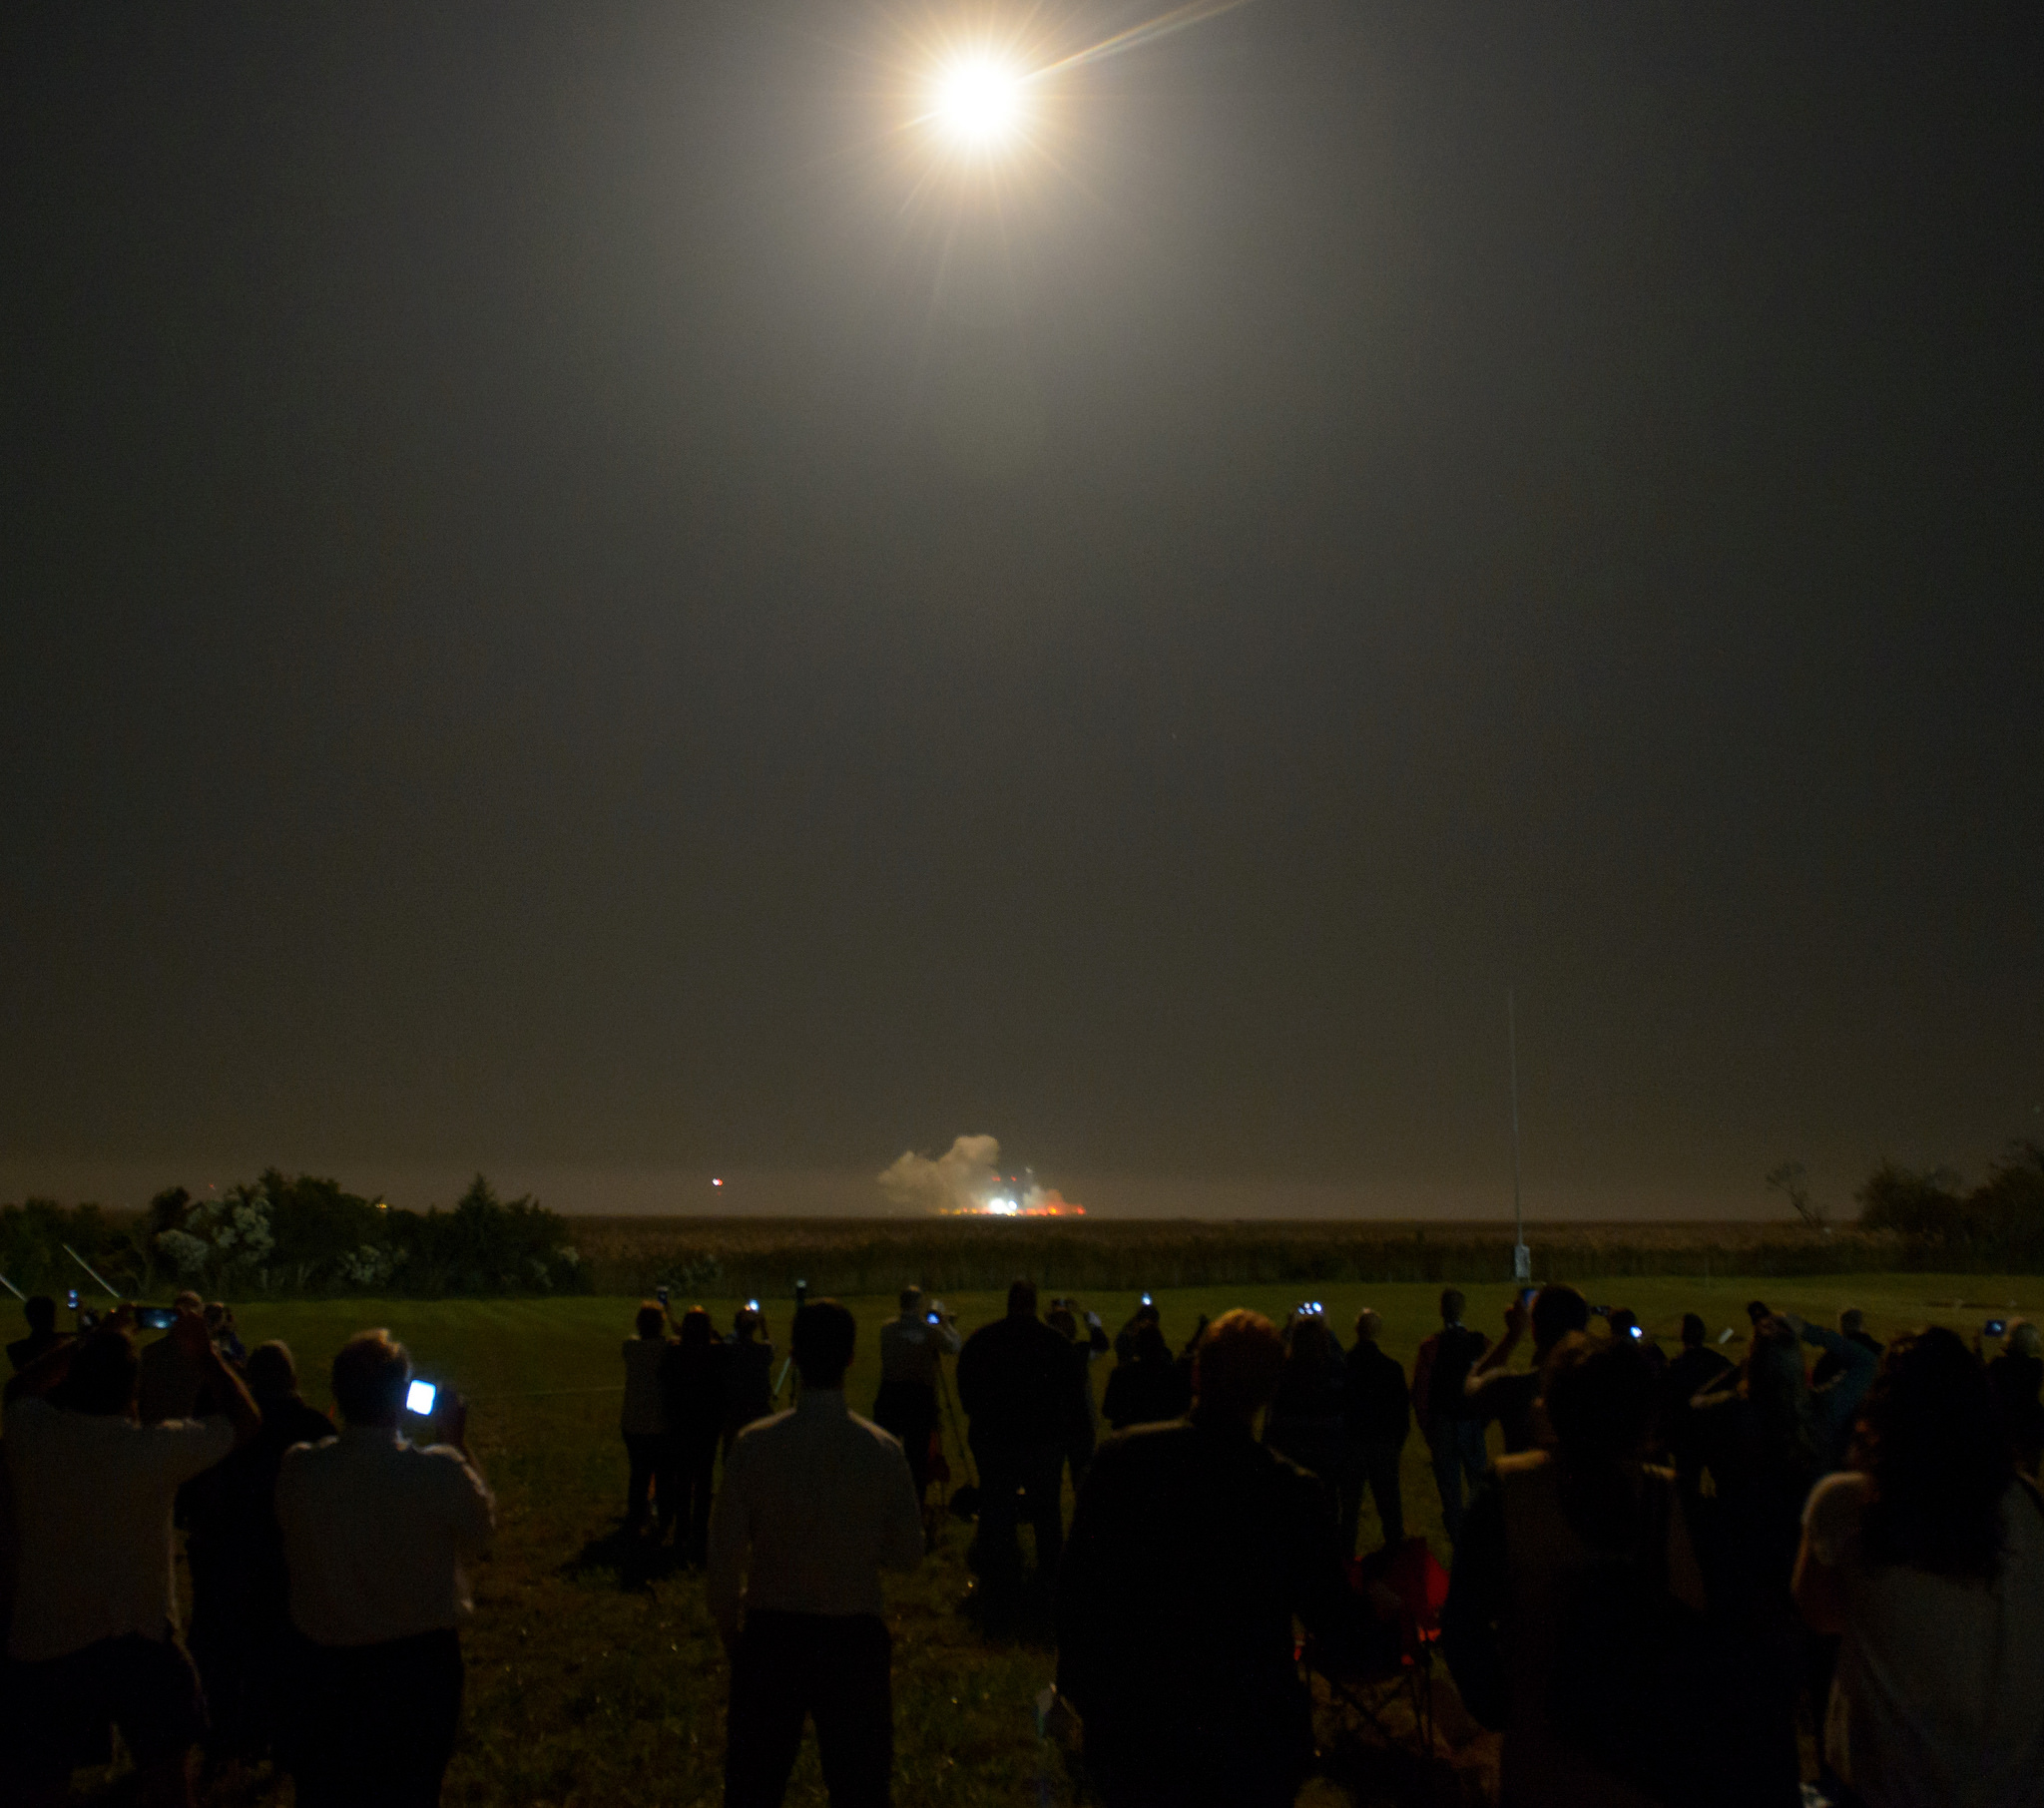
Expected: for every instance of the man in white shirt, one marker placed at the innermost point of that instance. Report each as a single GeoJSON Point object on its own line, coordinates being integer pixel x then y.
{"type": "Point", "coordinates": [814, 1504]}
{"type": "Point", "coordinates": [375, 1532]}
{"type": "Point", "coordinates": [93, 1634]}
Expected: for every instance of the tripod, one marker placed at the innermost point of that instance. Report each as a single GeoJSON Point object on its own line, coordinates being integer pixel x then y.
{"type": "Point", "coordinates": [964, 1500]}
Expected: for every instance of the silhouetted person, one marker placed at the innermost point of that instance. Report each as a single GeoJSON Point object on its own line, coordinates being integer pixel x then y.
{"type": "Point", "coordinates": [220, 1326]}
{"type": "Point", "coordinates": [817, 1502]}
{"type": "Point", "coordinates": [1064, 1319]}
{"type": "Point", "coordinates": [1851, 1327]}
{"type": "Point", "coordinates": [376, 1530]}
{"type": "Point", "coordinates": [1305, 1420]}
{"type": "Point", "coordinates": [696, 1371]}
{"type": "Point", "coordinates": [911, 1352]}
{"type": "Point", "coordinates": [1147, 1386]}
{"type": "Point", "coordinates": [1575, 1618]}
{"type": "Point", "coordinates": [43, 1336]}
{"type": "Point", "coordinates": [1193, 1547]}
{"type": "Point", "coordinates": [1697, 1368]}
{"type": "Point", "coordinates": [93, 1634]}
{"type": "Point", "coordinates": [2017, 1377]}
{"type": "Point", "coordinates": [642, 1420]}
{"type": "Point", "coordinates": [748, 1373]}
{"type": "Point", "coordinates": [1765, 1437]}
{"type": "Point", "coordinates": [1626, 1327]}
{"type": "Point", "coordinates": [1928, 1556]}
{"type": "Point", "coordinates": [241, 1612]}
{"type": "Point", "coordinates": [1510, 1396]}
{"type": "Point", "coordinates": [1454, 1434]}
{"type": "Point", "coordinates": [1377, 1410]}
{"type": "Point", "coordinates": [1020, 1390]}
{"type": "Point", "coordinates": [171, 1375]}
{"type": "Point", "coordinates": [1125, 1339]}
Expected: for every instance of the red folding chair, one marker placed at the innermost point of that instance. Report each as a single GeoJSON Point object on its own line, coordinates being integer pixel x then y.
{"type": "Point", "coordinates": [1409, 1572]}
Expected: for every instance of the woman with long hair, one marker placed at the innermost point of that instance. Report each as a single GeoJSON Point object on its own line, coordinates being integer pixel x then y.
{"type": "Point", "coordinates": [1575, 1616]}
{"type": "Point", "coordinates": [1927, 1557]}
{"type": "Point", "coordinates": [1305, 1420]}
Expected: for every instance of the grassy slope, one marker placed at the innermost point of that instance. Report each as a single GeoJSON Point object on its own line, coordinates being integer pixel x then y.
{"type": "Point", "coordinates": [589, 1686]}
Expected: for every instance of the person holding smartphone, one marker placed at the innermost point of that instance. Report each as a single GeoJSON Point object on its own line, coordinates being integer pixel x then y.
{"type": "Point", "coordinates": [375, 1531]}
{"type": "Point", "coordinates": [649, 1447]}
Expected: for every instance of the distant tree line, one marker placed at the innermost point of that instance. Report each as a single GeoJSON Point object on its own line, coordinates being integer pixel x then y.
{"type": "Point", "coordinates": [294, 1234]}
{"type": "Point", "coordinates": [1999, 1224]}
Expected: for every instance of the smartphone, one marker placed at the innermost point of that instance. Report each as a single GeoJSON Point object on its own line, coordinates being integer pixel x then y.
{"type": "Point", "coordinates": [752, 1306]}
{"type": "Point", "coordinates": [420, 1397]}
{"type": "Point", "coordinates": [1147, 1299]}
{"type": "Point", "coordinates": [660, 1293]}
{"type": "Point", "coordinates": [1995, 1327]}
{"type": "Point", "coordinates": [1527, 1295]}
{"type": "Point", "coordinates": [802, 1294]}
{"type": "Point", "coordinates": [156, 1318]}
{"type": "Point", "coordinates": [933, 1317]}
{"type": "Point", "coordinates": [71, 1299]}
{"type": "Point", "coordinates": [1635, 1330]}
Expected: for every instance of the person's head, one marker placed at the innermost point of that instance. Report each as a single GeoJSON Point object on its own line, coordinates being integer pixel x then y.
{"type": "Point", "coordinates": [1310, 1347]}
{"type": "Point", "coordinates": [911, 1301]}
{"type": "Point", "coordinates": [1599, 1399]}
{"type": "Point", "coordinates": [1022, 1299]}
{"type": "Point", "coordinates": [104, 1372]}
{"type": "Point", "coordinates": [1624, 1322]}
{"type": "Point", "coordinates": [187, 1301]}
{"type": "Point", "coordinates": [2024, 1339]}
{"type": "Point", "coordinates": [1693, 1332]}
{"type": "Point", "coordinates": [369, 1378]}
{"type": "Point", "coordinates": [1777, 1387]}
{"type": "Point", "coordinates": [1060, 1320]}
{"type": "Point", "coordinates": [745, 1324]}
{"type": "Point", "coordinates": [1148, 1314]}
{"type": "Point", "coordinates": [1851, 1322]}
{"type": "Point", "coordinates": [821, 1339]}
{"type": "Point", "coordinates": [1932, 1436]}
{"type": "Point", "coordinates": [1558, 1309]}
{"type": "Point", "coordinates": [40, 1313]}
{"type": "Point", "coordinates": [696, 1332]}
{"type": "Point", "coordinates": [216, 1315]}
{"type": "Point", "coordinates": [1148, 1343]}
{"type": "Point", "coordinates": [272, 1373]}
{"type": "Point", "coordinates": [1452, 1304]}
{"type": "Point", "coordinates": [651, 1318]}
{"type": "Point", "coordinates": [1237, 1364]}
{"type": "Point", "coordinates": [1369, 1325]}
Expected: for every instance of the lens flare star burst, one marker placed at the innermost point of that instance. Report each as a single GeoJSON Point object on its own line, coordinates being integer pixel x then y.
{"type": "Point", "coordinates": [979, 102]}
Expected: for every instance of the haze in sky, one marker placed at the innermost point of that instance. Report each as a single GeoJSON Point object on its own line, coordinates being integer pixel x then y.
{"type": "Point", "coordinates": [582, 600]}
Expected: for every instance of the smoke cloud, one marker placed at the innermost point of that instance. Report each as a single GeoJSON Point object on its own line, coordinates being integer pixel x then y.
{"type": "Point", "coordinates": [962, 1178]}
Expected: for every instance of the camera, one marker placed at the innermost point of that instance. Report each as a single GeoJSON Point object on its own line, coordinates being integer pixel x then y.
{"type": "Point", "coordinates": [1308, 1308]}
{"type": "Point", "coordinates": [419, 1397]}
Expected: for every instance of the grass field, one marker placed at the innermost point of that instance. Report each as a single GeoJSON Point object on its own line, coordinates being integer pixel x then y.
{"type": "Point", "coordinates": [591, 1681]}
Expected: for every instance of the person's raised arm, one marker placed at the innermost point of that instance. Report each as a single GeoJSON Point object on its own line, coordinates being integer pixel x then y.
{"type": "Point", "coordinates": [474, 1507]}
{"type": "Point", "coordinates": [194, 1338]}
{"type": "Point", "coordinates": [1500, 1352]}
{"type": "Point", "coordinates": [43, 1374]}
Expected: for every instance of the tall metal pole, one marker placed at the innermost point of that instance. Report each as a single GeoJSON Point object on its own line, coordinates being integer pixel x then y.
{"type": "Point", "coordinates": [1522, 1257]}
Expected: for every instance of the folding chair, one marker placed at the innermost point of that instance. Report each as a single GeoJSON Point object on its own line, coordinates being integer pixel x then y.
{"type": "Point", "coordinates": [1409, 1572]}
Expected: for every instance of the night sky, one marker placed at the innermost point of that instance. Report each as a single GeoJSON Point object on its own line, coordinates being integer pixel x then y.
{"type": "Point", "coordinates": [579, 598]}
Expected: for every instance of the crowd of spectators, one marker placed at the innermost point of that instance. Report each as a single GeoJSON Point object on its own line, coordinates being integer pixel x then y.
{"type": "Point", "coordinates": [1675, 1568]}
{"type": "Point", "coordinates": [327, 1566]}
